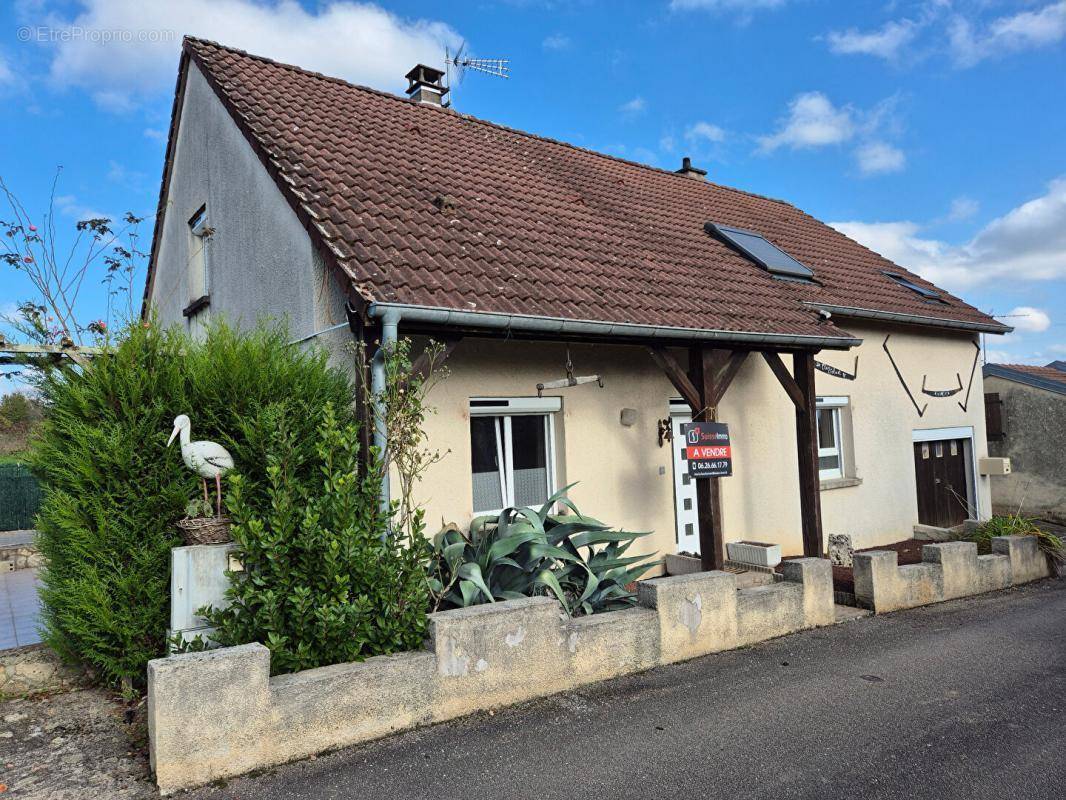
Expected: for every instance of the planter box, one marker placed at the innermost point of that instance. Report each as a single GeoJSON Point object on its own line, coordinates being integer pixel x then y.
{"type": "Point", "coordinates": [759, 554]}
{"type": "Point", "coordinates": [682, 565]}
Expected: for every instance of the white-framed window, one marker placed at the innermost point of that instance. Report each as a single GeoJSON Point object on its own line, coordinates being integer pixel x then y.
{"type": "Point", "coordinates": [200, 233]}
{"type": "Point", "coordinates": [830, 411]}
{"type": "Point", "coordinates": [512, 451]}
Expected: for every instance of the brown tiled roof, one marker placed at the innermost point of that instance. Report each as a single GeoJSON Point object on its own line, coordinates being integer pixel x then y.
{"type": "Point", "coordinates": [420, 205]}
{"type": "Point", "coordinates": [1044, 373]}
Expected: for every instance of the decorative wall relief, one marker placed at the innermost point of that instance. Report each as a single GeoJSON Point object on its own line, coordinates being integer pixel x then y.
{"type": "Point", "coordinates": [906, 388]}
{"type": "Point", "coordinates": [934, 392]}
{"type": "Point", "coordinates": [941, 392]}
{"type": "Point", "coordinates": [973, 371]}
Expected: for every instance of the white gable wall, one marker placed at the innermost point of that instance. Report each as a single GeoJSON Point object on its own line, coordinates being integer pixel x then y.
{"type": "Point", "coordinates": [261, 262]}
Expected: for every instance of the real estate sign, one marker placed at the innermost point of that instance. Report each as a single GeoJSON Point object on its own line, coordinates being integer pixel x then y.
{"type": "Point", "coordinates": [707, 449]}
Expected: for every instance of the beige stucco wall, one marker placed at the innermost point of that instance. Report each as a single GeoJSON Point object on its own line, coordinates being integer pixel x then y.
{"type": "Point", "coordinates": [625, 479]}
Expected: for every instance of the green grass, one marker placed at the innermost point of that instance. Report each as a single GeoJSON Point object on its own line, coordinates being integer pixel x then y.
{"type": "Point", "coordinates": [13, 458]}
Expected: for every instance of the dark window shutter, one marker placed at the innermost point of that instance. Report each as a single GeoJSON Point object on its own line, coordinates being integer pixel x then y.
{"type": "Point", "coordinates": [994, 416]}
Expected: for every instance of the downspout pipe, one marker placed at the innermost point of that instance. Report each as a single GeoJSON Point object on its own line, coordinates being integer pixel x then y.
{"type": "Point", "coordinates": [390, 324]}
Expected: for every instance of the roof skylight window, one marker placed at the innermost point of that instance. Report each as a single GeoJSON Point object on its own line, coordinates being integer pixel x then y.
{"type": "Point", "coordinates": [927, 293]}
{"type": "Point", "coordinates": [767, 255]}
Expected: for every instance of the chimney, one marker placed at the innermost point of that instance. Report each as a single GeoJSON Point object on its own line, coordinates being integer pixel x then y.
{"type": "Point", "coordinates": [690, 171]}
{"type": "Point", "coordinates": [425, 85]}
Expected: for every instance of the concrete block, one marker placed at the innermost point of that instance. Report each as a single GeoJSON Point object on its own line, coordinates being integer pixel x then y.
{"type": "Point", "coordinates": [604, 646]}
{"type": "Point", "coordinates": [342, 704]}
{"type": "Point", "coordinates": [1027, 561]}
{"type": "Point", "coordinates": [816, 575]}
{"type": "Point", "coordinates": [993, 572]}
{"type": "Point", "coordinates": [920, 585]}
{"type": "Point", "coordinates": [958, 564]}
{"type": "Point", "coordinates": [765, 612]}
{"type": "Point", "coordinates": [876, 581]}
{"type": "Point", "coordinates": [696, 614]}
{"type": "Point", "coordinates": [208, 714]}
{"type": "Point", "coordinates": [504, 650]}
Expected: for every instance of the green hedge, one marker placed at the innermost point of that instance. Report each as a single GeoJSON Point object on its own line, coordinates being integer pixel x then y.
{"type": "Point", "coordinates": [20, 497]}
{"type": "Point", "coordinates": [113, 490]}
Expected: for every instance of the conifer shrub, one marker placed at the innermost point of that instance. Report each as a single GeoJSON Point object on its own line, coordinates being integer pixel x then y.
{"type": "Point", "coordinates": [113, 490]}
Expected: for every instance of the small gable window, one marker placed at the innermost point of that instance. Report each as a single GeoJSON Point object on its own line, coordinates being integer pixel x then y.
{"type": "Point", "coordinates": [764, 253]}
{"type": "Point", "coordinates": [924, 291]}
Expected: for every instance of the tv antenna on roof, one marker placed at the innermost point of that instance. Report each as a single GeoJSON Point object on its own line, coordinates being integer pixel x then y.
{"type": "Point", "coordinates": [460, 62]}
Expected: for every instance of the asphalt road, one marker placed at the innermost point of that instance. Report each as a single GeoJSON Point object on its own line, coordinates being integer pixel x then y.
{"type": "Point", "coordinates": [965, 699]}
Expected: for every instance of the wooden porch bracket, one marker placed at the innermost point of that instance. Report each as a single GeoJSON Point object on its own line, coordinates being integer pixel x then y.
{"type": "Point", "coordinates": [800, 389]}
{"type": "Point", "coordinates": [678, 377]}
{"type": "Point", "coordinates": [421, 365]}
{"type": "Point", "coordinates": [791, 387]}
{"type": "Point", "coordinates": [710, 373]}
{"type": "Point", "coordinates": [727, 373]}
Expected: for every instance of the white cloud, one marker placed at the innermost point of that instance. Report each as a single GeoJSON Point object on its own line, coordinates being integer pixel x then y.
{"type": "Point", "coordinates": [357, 41]}
{"type": "Point", "coordinates": [1058, 349]}
{"type": "Point", "coordinates": [1027, 319]}
{"type": "Point", "coordinates": [1008, 34]}
{"type": "Point", "coordinates": [812, 121]}
{"type": "Point", "coordinates": [556, 41]}
{"type": "Point", "coordinates": [155, 134]}
{"type": "Point", "coordinates": [633, 107]}
{"type": "Point", "coordinates": [878, 158]}
{"type": "Point", "coordinates": [704, 132]}
{"type": "Point", "coordinates": [963, 208]}
{"type": "Point", "coordinates": [69, 206]}
{"type": "Point", "coordinates": [667, 143]}
{"type": "Point", "coordinates": [1026, 244]}
{"type": "Point", "coordinates": [886, 42]}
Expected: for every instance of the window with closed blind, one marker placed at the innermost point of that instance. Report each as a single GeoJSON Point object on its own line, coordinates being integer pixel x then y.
{"type": "Point", "coordinates": [512, 451]}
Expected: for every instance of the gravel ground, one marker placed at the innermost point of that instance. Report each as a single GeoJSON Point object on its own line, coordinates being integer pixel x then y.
{"type": "Point", "coordinates": [73, 745]}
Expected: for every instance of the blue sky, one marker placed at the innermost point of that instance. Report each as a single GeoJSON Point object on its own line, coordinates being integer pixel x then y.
{"type": "Point", "coordinates": [933, 131]}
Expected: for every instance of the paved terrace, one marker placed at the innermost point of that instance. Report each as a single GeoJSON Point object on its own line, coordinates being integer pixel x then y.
{"type": "Point", "coordinates": [19, 607]}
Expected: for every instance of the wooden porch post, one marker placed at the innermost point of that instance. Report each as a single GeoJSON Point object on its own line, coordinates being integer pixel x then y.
{"type": "Point", "coordinates": [807, 447]}
{"type": "Point", "coordinates": [709, 374]}
{"type": "Point", "coordinates": [703, 368]}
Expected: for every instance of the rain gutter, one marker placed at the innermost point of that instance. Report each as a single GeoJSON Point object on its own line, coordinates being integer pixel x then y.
{"type": "Point", "coordinates": [624, 330]}
{"type": "Point", "coordinates": [912, 319]}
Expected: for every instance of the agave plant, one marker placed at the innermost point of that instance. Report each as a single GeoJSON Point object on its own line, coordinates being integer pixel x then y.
{"type": "Point", "coordinates": [522, 552]}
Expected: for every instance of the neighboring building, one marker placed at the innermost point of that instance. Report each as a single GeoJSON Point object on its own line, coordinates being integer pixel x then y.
{"type": "Point", "coordinates": [1026, 411]}
{"type": "Point", "coordinates": [351, 210]}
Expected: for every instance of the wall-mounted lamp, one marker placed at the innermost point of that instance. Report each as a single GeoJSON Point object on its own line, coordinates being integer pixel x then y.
{"type": "Point", "coordinates": [666, 431]}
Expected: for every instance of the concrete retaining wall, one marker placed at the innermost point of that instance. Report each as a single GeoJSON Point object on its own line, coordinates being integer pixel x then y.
{"type": "Point", "coordinates": [948, 570]}
{"type": "Point", "coordinates": [216, 714]}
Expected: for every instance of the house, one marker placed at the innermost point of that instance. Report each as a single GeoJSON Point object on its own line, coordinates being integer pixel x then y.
{"type": "Point", "coordinates": [849, 385]}
{"type": "Point", "coordinates": [1026, 420]}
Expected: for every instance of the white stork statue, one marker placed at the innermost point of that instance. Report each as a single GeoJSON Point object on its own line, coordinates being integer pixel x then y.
{"type": "Point", "coordinates": [206, 459]}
